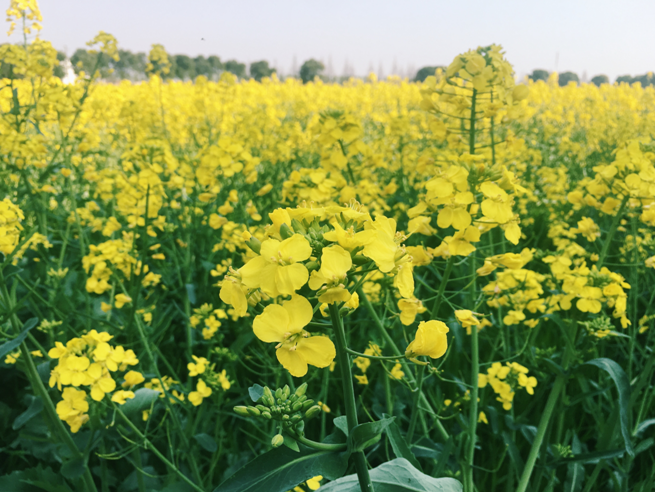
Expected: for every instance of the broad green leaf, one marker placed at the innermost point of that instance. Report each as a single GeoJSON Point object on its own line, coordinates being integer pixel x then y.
{"type": "Point", "coordinates": [365, 435]}
{"type": "Point", "coordinates": [399, 445]}
{"type": "Point", "coordinates": [143, 399]}
{"type": "Point", "coordinates": [341, 423]}
{"type": "Point", "coordinates": [34, 480]}
{"type": "Point", "coordinates": [256, 391]}
{"type": "Point", "coordinates": [34, 409]}
{"type": "Point", "coordinates": [13, 344]}
{"type": "Point", "coordinates": [291, 443]}
{"type": "Point", "coordinates": [396, 476]}
{"type": "Point", "coordinates": [622, 383]}
{"type": "Point", "coordinates": [73, 468]}
{"type": "Point", "coordinates": [206, 442]}
{"type": "Point", "coordinates": [281, 469]}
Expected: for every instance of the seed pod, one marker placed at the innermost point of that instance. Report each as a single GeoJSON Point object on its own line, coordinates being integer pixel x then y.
{"type": "Point", "coordinates": [312, 411]}
{"type": "Point", "coordinates": [307, 404]}
{"type": "Point", "coordinates": [300, 391]}
{"type": "Point", "coordinates": [253, 411]}
{"type": "Point", "coordinates": [277, 441]}
{"type": "Point", "coordinates": [285, 231]}
{"type": "Point", "coordinates": [241, 410]}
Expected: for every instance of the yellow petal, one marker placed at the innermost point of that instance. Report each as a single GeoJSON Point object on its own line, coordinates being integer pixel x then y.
{"type": "Point", "coordinates": [296, 248]}
{"type": "Point", "coordinates": [251, 272]}
{"type": "Point", "coordinates": [290, 278]}
{"type": "Point", "coordinates": [272, 324]}
{"type": "Point", "coordinates": [335, 262]}
{"type": "Point", "coordinates": [300, 313]}
{"type": "Point", "coordinates": [318, 351]}
{"type": "Point", "coordinates": [291, 361]}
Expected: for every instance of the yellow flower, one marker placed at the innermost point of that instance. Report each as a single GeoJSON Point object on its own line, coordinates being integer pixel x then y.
{"type": "Point", "coordinates": [396, 372]}
{"type": "Point", "coordinates": [198, 367]}
{"type": "Point", "coordinates": [121, 299]}
{"type": "Point", "coordinates": [121, 396]}
{"type": "Point", "coordinates": [466, 319]}
{"type": "Point", "coordinates": [284, 324]}
{"type": "Point", "coordinates": [73, 407]}
{"type": "Point", "coordinates": [277, 271]}
{"type": "Point", "coordinates": [335, 263]}
{"type": "Point", "coordinates": [430, 340]}
{"type": "Point", "coordinates": [202, 391]}
{"type": "Point", "coordinates": [132, 378]}
{"type": "Point", "coordinates": [361, 379]}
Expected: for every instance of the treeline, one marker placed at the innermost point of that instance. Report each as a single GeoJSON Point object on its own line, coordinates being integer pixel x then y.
{"type": "Point", "coordinates": [132, 66]}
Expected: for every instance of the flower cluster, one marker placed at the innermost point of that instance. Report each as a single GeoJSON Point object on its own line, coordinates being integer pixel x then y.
{"type": "Point", "coordinates": [506, 379]}
{"type": "Point", "coordinates": [89, 361]}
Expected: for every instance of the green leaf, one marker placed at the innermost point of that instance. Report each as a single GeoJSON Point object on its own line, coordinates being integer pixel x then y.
{"type": "Point", "coordinates": [73, 468]}
{"type": "Point", "coordinates": [34, 409]}
{"type": "Point", "coordinates": [281, 469]}
{"type": "Point", "coordinates": [191, 292]}
{"type": "Point", "coordinates": [33, 480]}
{"type": "Point", "coordinates": [341, 423]}
{"type": "Point", "coordinates": [143, 399]}
{"type": "Point", "coordinates": [622, 383]}
{"type": "Point", "coordinates": [256, 392]}
{"type": "Point", "coordinates": [400, 447]}
{"type": "Point", "coordinates": [291, 443]}
{"type": "Point", "coordinates": [396, 476]}
{"type": "Point", "coordinates": [595, 457]}
{"type": "Point", "coordinates": [11, 345]}
{"type": "Point", "coordinates": [206, 442]}
{"type": "Point", "coordinates": [643, 426]}
{"type": "Point", "coordinates": [575, 470]}
{"type": "Point", "coordinates": [364, 435]}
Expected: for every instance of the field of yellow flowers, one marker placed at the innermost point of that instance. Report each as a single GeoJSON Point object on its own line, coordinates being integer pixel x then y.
{"type": "Point", "coordinates": [243, 286]}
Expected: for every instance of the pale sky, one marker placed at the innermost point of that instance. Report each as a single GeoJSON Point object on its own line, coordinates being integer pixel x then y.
{"type": "Point", "coordinates": [585, 36]}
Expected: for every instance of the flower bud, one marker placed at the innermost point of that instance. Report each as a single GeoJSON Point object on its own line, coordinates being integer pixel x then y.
{"type": "Point", "coordinates": [241, 410]}
{"type": "Point", "coordinates": [253, 411]}
{"type": "Point", "coordinates": [307, 404]}
{"type": "Point", "coordinates": [285, 231]}
{"type": "Point", "coordinates": [277, 441]}
{"type": "Point", "coordinates": [254, 244]}
{"type": "Point", "coordinates": [311, 266]}
{"type": "Point", "coordinates": [278, 394]}
{"type": "Point", "coordinates": [267, 415]}
{"type": "Point", "coordinates": [286, 391]}
{"type": "Point", "coordinates": [300, 391]}
{"type": "Point", "coordinates": [360, 260]}
{"type": "Point", "coordinates": [296, 406]}
{"type": "Point", "coordinates": [267, 397]}
{"type": "Point", "coordinates": [312, 411]}
{"type": "Point", "coordinates": [297, 226]}
{"type": "Point", "coordinates": [261, 408]}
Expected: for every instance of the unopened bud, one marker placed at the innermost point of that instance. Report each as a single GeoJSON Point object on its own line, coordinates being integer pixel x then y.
{"type": "Point", "coordinates": [261, 408]}
{"type": "Point", "coordinates": [254, 244]}
{"type": "Point", "coordinates": [241, 410]}
{"type": "Point", "coordinates": [286, 391]}
{"type": "Point", "coordinates": [307, 404]}
{"type": "Point", "coordinates": [267, 397]}
{"type": "Point", "coordinates": [296, 418]}
{"type": "Point", "coordinates": [285, 231]}
{"type": "Point", "coordinates": [311, 266]}
{"type": "Point", "coordinates": [312, 411]}
{"type": "Point", "coordinates": [297, 226]}
{"type": "Point", "coordinates": [253, 411]}
{"type": "Point", "coordinates": [300, 391]}
{"type": "Point", "coordinates": [360, 260]}
{"type": "Point", "coordinates": [296, 406]}
{"type": "Point", "coordinates": [278, 394]}
{"type": "Point", "coordinates": [277, 441]}
{"type": "Point", "coordinates": [267, 415]}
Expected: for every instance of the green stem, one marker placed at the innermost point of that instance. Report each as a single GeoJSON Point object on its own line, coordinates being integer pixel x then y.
{"type": "Point", "coordinates": [41, 391]}
{"type": "Point", "coordinates": [392, 345]}
{"type": "Point", "coordinates": [415, 407]}
{"type": "Point", "coordinates": [343, 362]}
{"type": "Point", "coordinates": [152, 448]}
{"type": "Point", "coordinates": [442, 287]}
{"type": "Point", "coordinates": [136, 453]}
{"type": "Point", "coordinates": [318, 445]}
{"type": "Point", "coordinates": [560, 383]}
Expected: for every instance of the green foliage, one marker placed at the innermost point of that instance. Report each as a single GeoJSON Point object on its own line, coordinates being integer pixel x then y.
{"type": "Point", "coordinates": [310, 70]}
{"type": "Point", "coordinates": [567, 77]}
{"type": "Point", "coordinates": [425, 72]}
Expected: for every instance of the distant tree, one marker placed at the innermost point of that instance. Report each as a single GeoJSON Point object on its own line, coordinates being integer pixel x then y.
{"type": "Point", "coordinates": [600, 80]}
{"type": "Point", "coordinates": [202, 66]}
{"type": "Point", "coordinates": [425, 72]}
{"type": "Point", "coordinates": [539, 74]}
{"type": "Point", "coordinates": [566, 77]}
{"type": "Point", "coordinates": [238, 69]}
{"type": "Point", "coordinates": [58, 69]}
{"type": "Point", "coordinates": [625, 79]}
{"type": "Point", "coordinates": [311, 69]}
{"type": "Point", "coordinates": [260, 69]}
{"type": "Point", "coordinates": [645, 80]}
{"type": "Point", "coordinates": [184, 67]}
{"type": "Point", "coordinates": [130, 66]}
{"type": "Point", "coordinates": [86, 61]}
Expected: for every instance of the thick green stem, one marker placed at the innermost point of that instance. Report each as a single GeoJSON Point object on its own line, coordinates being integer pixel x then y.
{"type": "Point", "coordinates": [475, 360]}
{"type": "Point", "coordinates": [442, 287]}
{"type": "Point", "coordinates": [560, 383]}
{"type": "Point", "coordinates": [319, 445]}
{"type": "Point", "coordinates": [343, 362]}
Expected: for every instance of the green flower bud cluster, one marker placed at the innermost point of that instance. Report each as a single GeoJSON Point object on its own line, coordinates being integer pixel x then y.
{"type": "Point", "coordinates": [282, 406]}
